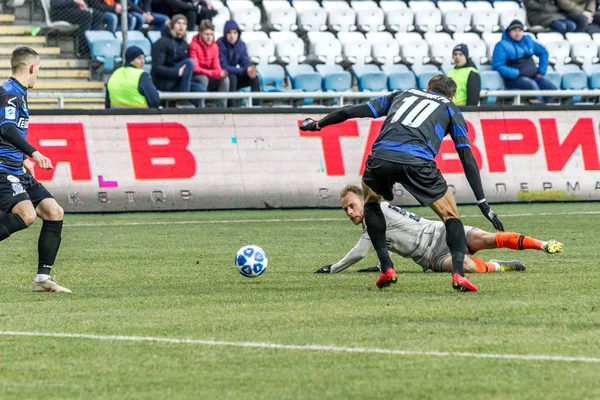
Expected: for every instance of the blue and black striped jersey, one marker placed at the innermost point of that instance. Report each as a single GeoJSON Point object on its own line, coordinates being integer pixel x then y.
{"type": "Point", "coordinates": [415, 126]}
{"type": "Point", "coordinates": [13, 110]}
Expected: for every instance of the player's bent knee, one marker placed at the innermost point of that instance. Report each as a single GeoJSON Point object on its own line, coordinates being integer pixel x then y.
{"type": "Point", "coordinates": [56, 213]}
{"type": "Point", "coordinates": [28, 216]}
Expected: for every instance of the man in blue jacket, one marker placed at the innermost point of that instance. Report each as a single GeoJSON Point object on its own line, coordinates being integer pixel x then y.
{"type": "Point", "coordinates": [172, 67]}
{"type": "Point", "coordinates": [234, 58]}
{"type": "Point", "coordinates": [512, 58]}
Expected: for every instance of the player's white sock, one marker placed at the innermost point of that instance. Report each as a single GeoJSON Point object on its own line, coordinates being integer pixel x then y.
{"type": "Point", "coordinates": [41, 277]}
{"type": "Point", "coordinates": [495, 264]}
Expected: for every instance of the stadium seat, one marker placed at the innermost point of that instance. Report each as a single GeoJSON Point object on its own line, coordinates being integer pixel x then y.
{"type": "Point", "coordinates": [585, 53]}
{"type": "Point", "coordinates": [369, 78]}
{"type": "Point", "coordinates": [137, 38]}
{"type": "Point", "coordinates": [491, 39]}
{"type": "Point", "coordinates": [448, 5]}
{"type": "Point", "coordinates": [371, 20]}
{"type": "Point", "coordinates": [219, 20]}
{"type": "Point", "coordinates": [247, 18]}
{"type": "Point", "coordinates": [554, 77]}
{"type": "Point", "coordinates": [105, 48]}
{"type": "Point", "coordinates": [591, 69]}
{"type": "Point", "coordinates": [154, 36]}
{"type": "Point", "coordinates": [547, 37]}
{"type": "Point", "coordinates": [577, 37]}
{"type": "Point", "coordinates": [594, 80]}
{"type": "Point", "coordinates": [567, 68]}
{"type": "Point", "coordinates": [261, 51]}
{"type": "Point", "coordinates": [465, 37]}
{"type": "Point", "coordinates": [390, 5]}
{"type": "Point", "coordinates": [63, 26]}
{"type": "Point", "coordinates": [485, 21]}
{"type": "Point", "coordinates": [362, 5]}
{"type": "Point", "coordinates": [330, 5]}
{"type": "Point", "coordinates": [416, 53]}
{"type": "Point", "coordinates": [400, 20]}
{"type": "Point", "coordinates": [417, 5]}
{"type": "Point", "coordinates": [576, 80]}
{"type": "Point", "coordinates": [394, 68]}
{"type": "Point", "coordinates": [271, 77]}
{"type": "Point", "coordinates": [313, 20]}
{"type": "Point", "coordinates": [434, 37]}
{"type": "Point", "coordinates": [457, 20]}
{"type": "Point", "coordinates": [477, 5]}
{"type": "Point", "coordinates": [358, 52]}
{"type": "Point", "coordinates": [279, 37]}
{"type": "Point", "coordinates": [328, 51]}
{"type": "Point", "coordinates": [386, 52]}
{"type": "Point", "coordinates": [305, 79]}
{"type": "Point", "coordinates": [349, 37]}
{"type": "Point", "coordinates": [490, 80]}
{"type": "Point", "coordinates": [419, 69]}
{"type": "Point", "coordinates": [424, 77]}
{"type": "Point", "coordinates": [402, 81]}
{"type": "Point", "coordinates": [406, 37]}
{"type": "Point", "coordinates": [428, 20]}
{"type": "Point", "coordinates": [504, 5]}
{"type": "Point", "coordinates": [270, 5]}
{"type": "Point", "coordinates": [304, 5]}
{"type": "Point", "coordinates": [360, 70]}
{"type": "Point", "coordinates": [282, 19]}
{"type": "Point", "coordinates": [558, 52]}
{"type": "Point", "coordinates": [342, 20]}
{"type": "Point", "coordinates": [325, 70]}
{"type": "Point", "coordinates": [255, 35]}
{"type": "Point", "coordinates": [290, 51]}
{"type": "Point", "coordinates": [441, 52]}
{"type": "Point", "coordinates": [376, 37]}
{"type": "Point", "coordinates": [506, 17]}
{"type": "Point", "coordinates": [337, 82]}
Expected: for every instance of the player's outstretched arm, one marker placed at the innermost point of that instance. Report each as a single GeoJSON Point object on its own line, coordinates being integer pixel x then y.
{"type": "Point", "coordinates": [357, 253]}
{"type": "Point", "coordinates": [11, 135]}
{"type": "Point", "coordinates": [340, 115]}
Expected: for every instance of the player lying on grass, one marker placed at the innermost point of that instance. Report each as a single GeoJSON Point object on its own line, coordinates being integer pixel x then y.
{"type": "Point", "coordinates": [412, 236]}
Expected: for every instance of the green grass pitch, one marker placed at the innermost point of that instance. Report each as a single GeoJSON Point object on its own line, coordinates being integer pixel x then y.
{"type": "Point", "coordinates": [171, 275]}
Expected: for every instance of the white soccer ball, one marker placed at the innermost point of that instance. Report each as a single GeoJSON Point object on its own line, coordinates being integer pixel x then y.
{"type": "Point", "coordinates": [251, 261]}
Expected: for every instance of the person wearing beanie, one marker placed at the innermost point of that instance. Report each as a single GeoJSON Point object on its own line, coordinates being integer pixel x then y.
{"type": "Point", "coordinates": [547, 14]}
{"type": "Point", "coordinates": [234, 58]}
{"type": "Point", "coordinates": [513, 60]}
{"type": "Point", "coordinates": [466, 76]}
{"type": "Point", "coordinates": [207, 68]}
{"type": "Point", "coordinates": [172, 67]}
{"type": "Point", "coordinates": [130, 86]}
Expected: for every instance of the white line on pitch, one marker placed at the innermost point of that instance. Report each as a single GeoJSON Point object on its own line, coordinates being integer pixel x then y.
{"type": "Point", "coordinates": [334, 349]}
{"type": "Point", "coordinates": [243, 221]}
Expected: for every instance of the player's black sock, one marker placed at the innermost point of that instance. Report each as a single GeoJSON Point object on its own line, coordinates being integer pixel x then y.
{"type": "Point", "coordinates": [457, 243]}
{"type": "Point", "coordinates": [376, 226]}
{"type": "Point", "coordinates": [9, 224]}
{"type": "Point", "coordinates": [48, 245]}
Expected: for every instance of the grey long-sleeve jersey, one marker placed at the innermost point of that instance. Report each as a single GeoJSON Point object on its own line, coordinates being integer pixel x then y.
{"type": "Point", "coordinates": [408, 235]}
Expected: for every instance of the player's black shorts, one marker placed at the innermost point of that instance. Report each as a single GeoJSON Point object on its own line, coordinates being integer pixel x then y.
{"type": "Point", "coordinates": [16, 188]}
{"type": "Point", "coordinates": [424, 182]}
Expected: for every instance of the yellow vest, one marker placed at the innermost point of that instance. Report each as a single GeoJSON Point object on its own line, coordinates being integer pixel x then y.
{"type": "Point", "coordinates": [123, 88]}
{"type": "Point", "coordinates": [461, 76]}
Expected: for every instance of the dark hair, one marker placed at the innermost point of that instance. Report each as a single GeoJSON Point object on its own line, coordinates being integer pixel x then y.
{"type": "Point", "coordinates": [443, 85]}
{"type": "Point", "coordinates": [21, 56]}
{"type": "Point", "coordinates": [205, 24]}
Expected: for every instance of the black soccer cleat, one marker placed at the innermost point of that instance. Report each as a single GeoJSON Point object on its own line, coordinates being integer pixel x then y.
{"type": "Point", "coordinates": [326, 269]}
{"type": "Point", "coordinates": [510, 266]}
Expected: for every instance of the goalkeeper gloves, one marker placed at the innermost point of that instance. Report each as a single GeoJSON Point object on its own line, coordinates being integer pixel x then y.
{"type": "Point", "coordinates": [490, 215]}
{"type": "Point", "coordinates": [309, 124]}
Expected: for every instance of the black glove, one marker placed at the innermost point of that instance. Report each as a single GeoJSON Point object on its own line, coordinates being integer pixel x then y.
{"type": "Point", "coordinates": [326, 269]}
{"type": "Point", "coordinates": [491, 216]}
{"type": "Point", "coordinates": [309, 124]}
{"type": "Point", "coordinates": [369, 269]}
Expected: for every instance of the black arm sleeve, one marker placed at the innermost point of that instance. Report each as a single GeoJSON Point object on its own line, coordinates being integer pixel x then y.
{"type": "Point", "coordinates": [344, 113]}
{"type": "Point", "coordinates": [10, 134]}
{"type": "Point", "coordinates": [473, 89]}
{"type": "Point", "coordinates": [471, 171]}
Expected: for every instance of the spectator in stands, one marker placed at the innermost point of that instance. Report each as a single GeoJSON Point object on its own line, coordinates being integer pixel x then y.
{"type": "Point", "coordinates": [466, 76]}
{"type": "Point", "coordinates": [78, 13]}
{"type": "Point", "coordinates": [547, 14]}
{"type": "Point", "coordinates": [207, 68]}
{"type": "Point", "coordinates": [234, 58]}
{"type": "Point", "coordinates": [130, 86]}
{"type": "Point", "coordinates": [172, 68]}
{"type": "Point", "coordinates": [195, 11]}
{"type": "Point", "coordinates": [582, 11]}
{"type": "Point", "coordinates": [111, 11]}
{"type": "Point", "coordinates": [142, 11]}
{"type": "Point", "coordinates": [513, 59]}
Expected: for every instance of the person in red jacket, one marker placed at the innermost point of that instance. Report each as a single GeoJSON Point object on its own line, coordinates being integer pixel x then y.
{"type": "Point", "coordinates": [207, 68]}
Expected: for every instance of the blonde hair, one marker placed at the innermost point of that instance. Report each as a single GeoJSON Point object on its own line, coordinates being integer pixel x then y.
{"type": "Point", "coordinates": [357, 190]}
{"type": "Point", "coordinates": [22, 57]}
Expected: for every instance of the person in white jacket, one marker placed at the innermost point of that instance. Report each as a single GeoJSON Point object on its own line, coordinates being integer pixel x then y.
{"type": "Point", "coordinates": [411, 236]}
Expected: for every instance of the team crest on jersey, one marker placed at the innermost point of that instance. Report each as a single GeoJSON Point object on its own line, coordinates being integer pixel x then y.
{"type": "Point", "coordinates": [16, 185]}
{"type": "Point", "coordinates": [10, 113]}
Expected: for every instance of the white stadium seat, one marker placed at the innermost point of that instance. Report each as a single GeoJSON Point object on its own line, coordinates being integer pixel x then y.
{"type": "Point", "coordinates": [335, 5]}
{"type": "Point", "coordinates": [303, 5]}
{"type": "Point", "coordinates": [417, 5]}
{"type": "Point", "coordinates": [576, 37]}
{"type": "Point", "coordinates": [465, 37]}
{"type": "Point", "coordinates": [585, 53]}
{"type": "Point", "coordinates": [547, 37]}
{"type": "Point", "coordinates": [258, 35]}
{"type": "Point", "coordinates": [433, 37]}
{"type": "Point", "coordinates": [362, 5]}
{"type": "Point", "coordinates": [457, 20]}
{"type": "Point", "coordinates": [358, 52]}
{"type": "Point", "coordinates": [450, 5]}
{"type": "Point", "coordinates": [503, 5]}
{"type": "Point", "coordinates": [283, 19]}
{"type": "Point", "coordinates": [349, 37]}
{"type": "Point", "coordinates": [485, 21]}
{"type": "Point", "coordinates": [314, 20]}
{"type": "Point", "coordinates": [237, 4]}
{"type": "Point", "coordinates": [508, 16]}
{"type": "Point", "coordinates": [248, 18]}
{"type": "Point", "coordinates": [428, 20]}
{"type": "Point", "coordinates": [315, 37]}
{"type": "Point", "coordinates": [415, 53]}
{"type": "Point", "coordinates": [491, 39]}
{"type": "Point", "coordinates": [376, 37]}
{"type": "Point", "coordinates": [371, 20]}
{"type": "Point", "coordinates": [291, 51]}
{"type": "Point", "coordinates": [270, 5]}
{"type": "Point", "coordinates": [343, 20]}
{"type": "Point", "coordinates": [328, 51]}
{"type": "Point", "coordinates": [389, 5]}
{"type": "Point", "coordinates": [477, 51]}
{"type": "Point", "coordinates": [477, 5]}
{"type": "Point", "coordinates": [400, 20]}
{"type": "Point", "coordinates": [441, 52]}
{"type": "Point", "coordinates": [405, 37]}
{"type": "Point", "coordinates": [261, 51]}
{"type": "Point", "coordinates": [386, 52]}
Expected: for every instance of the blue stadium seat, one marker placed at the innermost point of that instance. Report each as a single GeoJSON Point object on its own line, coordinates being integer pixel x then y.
{"type": "Point", "coordinates": [293, 70]}
{"type": "Point", "coordinates": [484, 67]}
{"type": "Point", "coordinates": [591, 69]}
{"type": "Point", "coordinates": [567, 68]}
{"type": "Point", "coordinates": [402, 81]}
{"type": "Point", "coordinates": [360, 70]}
{"type": "Point", "coordinates": [104, 47]}
{"type": "Point", "coordinates": [310, 82]}
{"type": "Point", "coordinates": [325, 69]}
{"type": "Point", "coordinates": [424, 78]}
{"type": "Point", "coordinates": [594, 80]}
{"type": "Point", "coordinates": [337, 82]}
{"type": "Point", "coordinates": [418, 70]}
{"type": "Point", "coordinates": [154, 36]}
{"type": "Point", "coordinates": [271, 77]}
{"type": "Point", "coordinates": [491, 80]}
{"type": "Point", "coordinates": [373, 82]}
{"type": "Point", "coordinates": [576, 80]}
{"type": "Point", "coordinates": [394, 68]}
{"type": "Point", "coordinates": [554, 77]}
{"type": "Point", "coordinates": [137, 38]}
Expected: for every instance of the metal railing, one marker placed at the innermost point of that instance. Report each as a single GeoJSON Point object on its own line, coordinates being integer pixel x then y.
{"type": "Point", "coordinates": [341, 97]}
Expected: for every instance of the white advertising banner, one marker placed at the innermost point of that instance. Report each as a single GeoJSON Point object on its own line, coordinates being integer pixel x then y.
{"type": "Point", "coordinates": [224, 161]}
